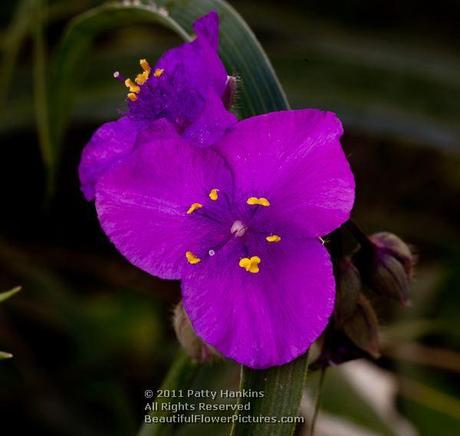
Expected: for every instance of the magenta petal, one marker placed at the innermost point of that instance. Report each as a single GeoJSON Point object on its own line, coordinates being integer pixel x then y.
{"type": "Point", "coordinates": [207, 27]}
{"type": "Point", "coordinates": [198, 59]}
{"type": "Point", "coordinates": [263, 319]}
{"type": "Point", "coordinates": [142, 201]}
{"type": "Point", "coordinates": [211, 124]}
{"type": "Point", "coordinates": [111, 142]}
{"type": "Point", "coordinates": [295, 159]}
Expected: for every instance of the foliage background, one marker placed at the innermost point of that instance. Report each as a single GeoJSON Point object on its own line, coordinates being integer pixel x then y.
{"type": "Point", "coordinates": [90, 333]}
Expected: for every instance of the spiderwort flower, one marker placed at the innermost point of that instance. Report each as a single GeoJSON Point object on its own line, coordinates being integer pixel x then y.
{"type": "Point", "coordinates": [240, 224]}
{"type": "Point", "coordinates": [188, 86]}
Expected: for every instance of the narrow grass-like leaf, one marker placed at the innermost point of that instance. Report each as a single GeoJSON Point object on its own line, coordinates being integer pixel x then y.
{"type": "Point", "coordinates": [282, 388]}
{"type": "Point", "coordinates": [4, 296]}
{"type": "Point", "coordinates": [8, 294]}
{"type": "Point", "coordinates": [4, 355]}
{"type": "Point", "coordinates": [40, 85]}
{"type": "Point", "coordinates": [12, 41]}
{"type": "Point", "coordinates": [76, 43]}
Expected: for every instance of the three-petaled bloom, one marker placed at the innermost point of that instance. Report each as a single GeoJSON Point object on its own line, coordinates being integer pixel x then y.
{"type": "Point", "coordinates": [188, 86]}
{"type": "Point", "coordinates": [240, 224]}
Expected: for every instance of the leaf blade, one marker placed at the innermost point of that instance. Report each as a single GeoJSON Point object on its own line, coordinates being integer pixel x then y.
{"type": "Point", "coordinates": [8, 294]}
{"type": "Point", "coordinates": [282, 387]}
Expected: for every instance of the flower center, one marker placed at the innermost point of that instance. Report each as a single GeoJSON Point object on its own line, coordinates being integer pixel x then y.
{"type": "Point", "coordinates": [238, 229]}
{"type": "Point", "coordinates": [134, 87]}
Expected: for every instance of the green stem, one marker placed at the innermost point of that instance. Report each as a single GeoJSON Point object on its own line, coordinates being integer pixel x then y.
{"type": "Point", "coordinates": [317, 401]}
{"type": "Point", "coordinates": [180, 376]}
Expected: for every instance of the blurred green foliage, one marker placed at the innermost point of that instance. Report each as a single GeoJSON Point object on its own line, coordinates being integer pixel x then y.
{"type": "Point", "coordinates": [90, 333]}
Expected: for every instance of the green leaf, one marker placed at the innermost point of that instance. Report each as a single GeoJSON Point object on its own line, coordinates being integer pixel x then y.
{"type": "Point", "coordinates": [282, 387]}
{"type": "Point", "coordinates": [77, 42]}
{"type": "Point", "coordinates": [8, 294]}
{"type": "Point", "coordinates": [40, 86]}
{"type": "Point", "coordinates": [4, 355]}
{"type": "Point", "coordinates": [4, 296]}
{"type": "Point", "coordinates": [12, 41]}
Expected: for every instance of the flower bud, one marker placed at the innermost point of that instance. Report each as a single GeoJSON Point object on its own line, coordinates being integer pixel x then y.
{"type": "Point", "coordinates": [336, 349]}
{"type": "Point", "coordinates": [386, 265]}
{"type": "Point", "coordinates": [196, 349]}
{"type": "Point", "coordinates": [348, 287]}
{"type": "Point", "coordinates": [229, 93]}
{"type": "Point", "coordinates": [363, 327]}
{"type": "Point", "coordinates": [355, 338]}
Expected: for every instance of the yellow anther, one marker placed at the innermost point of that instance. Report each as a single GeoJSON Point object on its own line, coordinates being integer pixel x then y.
{"type": "Point", "coordinates": [250, 264]}
{"type": "Point", "coordinates": [191, 258]}
{"type": "Point", "coordinates": [142, 78]}
{"type": "Point", "coordinates": [262, 201]}
{"type": "Point", "coordinates": [213, 195]}
{"type": "Point", "coordinates": [273, 238]}
{"type": "Point", "coordinates": [145, 65]}
{"type": "Point", "coordinates": [194, 207]}
{"type": "Point", "coordinates": [132, 86]}
{"type": "Point", "coordinates": [132, 96]}
{"type": "Point", "coordinates": [158, 72]}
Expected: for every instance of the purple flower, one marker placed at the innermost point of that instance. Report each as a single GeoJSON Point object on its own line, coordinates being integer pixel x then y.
{"type": "Point", "coordinates": [240, 224]}
{"type": "Point", "coordinates": [187, 87]}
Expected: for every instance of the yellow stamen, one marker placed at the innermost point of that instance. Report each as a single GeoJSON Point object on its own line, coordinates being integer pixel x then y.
{"type": "Point", "coordinates": [213, 195]}
{"type": "Point", "coordinates": [132, 96]}
{"type": "Point", "coordinates": [262, 201]}
{"type": "Point", "coordinates": [273, 238]}
{"type": "Point", "coordinates": [158, 72]}
{"type": "Point", "coordinates": [250, 264]}
{"type": "Point", "coordinates": [191, 258]}
{"type": "Point", "coordinates": [132, 86]}
{"type": "Point", "coordinates": [142, 78]}
{"type": "Point", "coordinates": [145, 65]}
{"type": "Point", "coordinates": [194, 207]}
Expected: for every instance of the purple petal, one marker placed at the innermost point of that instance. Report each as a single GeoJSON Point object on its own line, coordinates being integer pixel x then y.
{"type": "Point", "coordinates": [211, 124]}
{"type": "Point", "coordinates": [207, 27]}
{"type": "Point", "coordinates": [111, 142]}
{"type": "Point", "coordinates": [264, 319]}
{"type": "Point", "coordinates": [295, 159]}
{"type": "Point", "coordinates": [142, 202]}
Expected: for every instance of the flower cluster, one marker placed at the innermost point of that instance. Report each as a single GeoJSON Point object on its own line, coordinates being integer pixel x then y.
{"type": "Point", "coordinates": [235, 210]}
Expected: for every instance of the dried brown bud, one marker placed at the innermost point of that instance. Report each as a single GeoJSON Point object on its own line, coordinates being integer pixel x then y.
{"type": "Point", "coordinates": [386, 265]}
{"type": "Point", "coordinates": [196, 349]}
{"type": "Point", "coordinates": [348, 287]}
{"type": "Point", "coordinates": [363, 327]}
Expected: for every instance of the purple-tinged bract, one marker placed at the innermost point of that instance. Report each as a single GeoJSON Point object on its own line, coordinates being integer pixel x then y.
{"type": "Point", "coordinates": [187, 87]}
{"type": "Point", "coordinates": [240, 224]}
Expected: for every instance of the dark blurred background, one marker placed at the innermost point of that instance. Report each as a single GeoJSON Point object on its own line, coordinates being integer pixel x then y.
{"type": "Point", "coordinates": [90, 333]}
